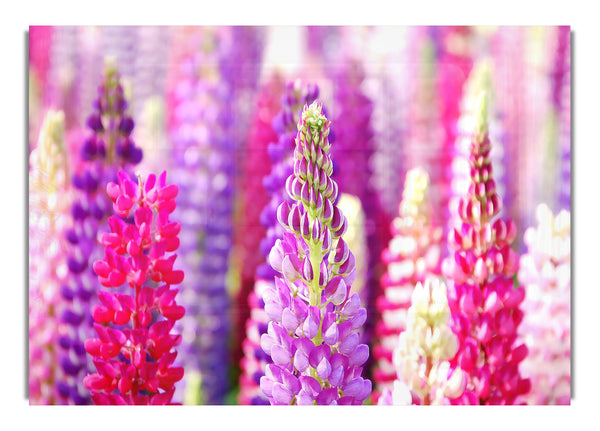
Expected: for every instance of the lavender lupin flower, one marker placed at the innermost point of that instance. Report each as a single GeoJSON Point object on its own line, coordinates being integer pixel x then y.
{"type": "Point", "coordinates": [203, 153]}
{"type": "Point", "coordinates": [561, 98]}
{"type": "Point", "coordinates": [281, 153]}
{"type": "Point", "coordinates": [312, 336]}
{"type": "Point", "coordinates": [354, 173]}
{"type": "Point", "coordinates": [108, 149]}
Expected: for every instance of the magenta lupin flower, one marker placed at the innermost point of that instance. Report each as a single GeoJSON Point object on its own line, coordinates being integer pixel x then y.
{"type": "Point", "coordinates": [481, 294]}
{"type": "Point", "coordinates": [133, 353]}
{"type": "Point", "coordinates": [412, 255]}
{"type": "Point", "coordinates": [312, 335]}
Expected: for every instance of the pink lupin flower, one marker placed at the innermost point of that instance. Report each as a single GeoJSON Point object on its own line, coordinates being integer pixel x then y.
{"type": "Point", "coordinates": [545, 271]}
{"type": "Point", "coordinates": [136, 253]}
{"type": "Point", "coordinates": [49, 200]}
{"type": "Point", "coordinates": [412, 255]}
{"type": "Point", "coordinates": [481, 294]}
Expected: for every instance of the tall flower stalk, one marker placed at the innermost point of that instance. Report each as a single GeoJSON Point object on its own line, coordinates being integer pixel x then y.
{"type": "Point", "coordinates": [312, 335]}
{"type": "Point", "coordinates": [480, 79]}
{"type": "Point", "coordinates": [108, 149]}
{"type": "Point", "coordinates": [412, 255]}
{"type": "Point", "coordinates": [353, 153]}
{"type": "Point", "coordinates": [424, 350]}
{"type": "Point", "coordinates": [204, 152]}
{"type": "Point", "coordinates": [281, 152]}
{"type": "Point", "coordinates": [133, 353]}
{"type": "Point", "coordinates": [49, 200]}
{"type": "Point", "coordinates": [483, 299]}
{"type": "Point", "coordinates": [545, 272]}
{"type": "Point", "coordinates": [250, 230]}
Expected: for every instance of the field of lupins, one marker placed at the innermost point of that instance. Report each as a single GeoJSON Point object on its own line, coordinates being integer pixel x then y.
{"type": "Point", "coordinates": [299, 215]}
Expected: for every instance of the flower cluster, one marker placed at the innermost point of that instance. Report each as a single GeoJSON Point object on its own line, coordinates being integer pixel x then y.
{"type": "Point", "coordinates": [353, 152]}
{"type": "Point", "coordinates": [49, 199]}
{"type": "Point", "coordinates": [483, 299]}
{"type": "Point", "coordinates": [133, 352]}
{"type": "Point", "coordinates": [545, 272]}
{"type": "Point", "coordinates": [108, 149]}
{"type": "Point", "coordinates": [412, 255]}
{"type": "Point", "coordinates": [312, 335]}
{"type": "Point", "coordinates": [424, 348]}
{"type": "Point", "coordinates": [204, 167]}
{"type": "Point", "coordinates": [253, 364]}
{"type": "Point", "coordinates": [480, 79]}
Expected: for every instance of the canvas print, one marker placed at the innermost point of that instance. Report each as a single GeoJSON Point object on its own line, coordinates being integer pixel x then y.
{"type": "Point", "coordinates": [299, 215]}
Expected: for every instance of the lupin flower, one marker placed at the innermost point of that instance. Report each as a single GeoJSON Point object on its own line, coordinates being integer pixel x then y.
{"type": "Point", "coordinates": [353, 152]}
{"type": "Point", "coordinates": [107, 149]}
{"type": "Point", "coordinates": [255, 360]}
{"type": "Point", "coordinates": [480, 79]}
{"type": "Point", "coordinates": [249, 232]}
{"type": "Point", "coordinates": [425, 347]}
{"type": "Point", "coordinates": [561, 98]}
{"type": "Point", "coordinates": [207, 132]}
{"type": "Point", "coordinates": [312, 335]}
{"type": "Point", "coordinates": [545, 272]}
{"type": "Point", "coordinates": [49, 200]}
{"type": "Point", "coordinates": [133, 353]}
{"type": "Point", "coordinates": [412, 255]}
{"type": "Point", "coordinates": [481, 294]}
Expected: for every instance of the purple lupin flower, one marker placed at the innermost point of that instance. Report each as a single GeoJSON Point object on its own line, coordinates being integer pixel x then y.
{"type": "Point", "coordinates": [107, 149]}
{"type": "Point", "coordinates": [561, 98]}
{"type": "Point", "coordinates": [204, 150]}
{"type": "Point", "coordinates": [281, 153]}
{"type": "Point", "coordinates": [312, 336]}
{"type": "Point", "coordinates": [353, 173]}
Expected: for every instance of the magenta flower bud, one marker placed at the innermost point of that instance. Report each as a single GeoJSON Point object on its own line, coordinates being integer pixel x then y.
{"type": "Point", "coordinates": [305, 225]}
{"type": "Point", "coordinates": [342, 252]}
{"type": "Point", "coordinates": [307, 270]}
{"type": "Point", "coordinates": [306, 194]}
{"type": "Point", "coordinates": [283, 213]}
{"type": "Point", "coordinates": [327, 211]}
{"type": "Point", "coordinates": [294, 219]}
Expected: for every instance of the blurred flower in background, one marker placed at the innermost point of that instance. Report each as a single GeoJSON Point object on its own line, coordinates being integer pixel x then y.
{"type": "Point", "coordinates": [205, 104]}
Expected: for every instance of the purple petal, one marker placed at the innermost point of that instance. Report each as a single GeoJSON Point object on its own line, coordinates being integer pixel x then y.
{"type": "Point", "coordinates": [359, 356]}
{"type": "Point", "coordinates": [281, 394]}
{"type": "Point", "coordinates": [324, 369]}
